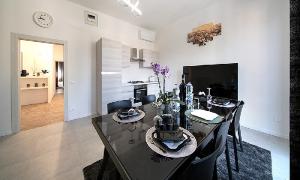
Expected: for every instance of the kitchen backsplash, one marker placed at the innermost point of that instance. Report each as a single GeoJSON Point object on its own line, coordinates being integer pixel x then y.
{"type": "Point", "coordinates": [134, 73]}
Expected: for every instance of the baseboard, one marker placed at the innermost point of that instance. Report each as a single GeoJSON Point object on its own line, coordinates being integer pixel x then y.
{"type": "Point", "coordinates": [266, 131]}
{"type": "Point", "coordinates": [5, 133]}
{"type": "Point", "coordinates": [90, 115]}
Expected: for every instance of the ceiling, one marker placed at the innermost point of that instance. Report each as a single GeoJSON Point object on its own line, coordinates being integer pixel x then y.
{"type": "Point", "coordinates": [156, 13]}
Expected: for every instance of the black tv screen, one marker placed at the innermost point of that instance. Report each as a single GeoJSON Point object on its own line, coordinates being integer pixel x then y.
{"type": "Point", "coordinates": [221, 78]}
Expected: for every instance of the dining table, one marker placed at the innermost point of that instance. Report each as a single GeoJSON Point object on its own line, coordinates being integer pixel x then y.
{"type": "Point", "coordinates": [126, 146]}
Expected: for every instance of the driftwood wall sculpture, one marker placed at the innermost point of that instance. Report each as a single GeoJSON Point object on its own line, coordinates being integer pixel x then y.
{"type": "Point", "coordinates": [204, 33]}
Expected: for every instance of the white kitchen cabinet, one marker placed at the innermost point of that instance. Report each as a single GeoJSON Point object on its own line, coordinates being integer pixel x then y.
{"type": "Point", "coordinates": [148, 56]}
{"type": "Point", "coordinates": [125, 56]}
{"type": "Point", "coordinates": [35, 90]}
{"type": "Point", "coordinates": [153, 89]}
{"type": "Point", "coordinates": [109, 78]}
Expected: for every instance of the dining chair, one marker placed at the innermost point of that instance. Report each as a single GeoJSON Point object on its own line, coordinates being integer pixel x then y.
{"type": "Point", "coordinates": [202, 168]}
{"type": "Point", "coordinates": [235, 127]}
{"type": "Point", "coordinates": [148, 99]}
{"type": "Point", "coordinates": [221, 136]}
{"type": "Point", "coordinates": [114, 106]}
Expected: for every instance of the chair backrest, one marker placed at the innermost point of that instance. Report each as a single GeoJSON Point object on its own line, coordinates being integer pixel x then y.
{"type": "Point", "coordinates": [148, 99]}
{"type": "Point", "coordinates": [222, 133]}
{"type": "Point", "coordinates": [203, 168]}
{"type": "Point", "coordinates": [237, 114]}
{"type": "Point", "coordinates": [114, 106]}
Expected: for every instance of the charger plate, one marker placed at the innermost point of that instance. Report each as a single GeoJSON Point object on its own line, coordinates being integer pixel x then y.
{"type": "Point", "coordinates": [129, 120]}
{"type": "Point", "coordinates": [186, 150]}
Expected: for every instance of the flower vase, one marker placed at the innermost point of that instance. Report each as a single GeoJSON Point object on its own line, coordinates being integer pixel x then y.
{"type": "Point", "coordinates": [166, 120]}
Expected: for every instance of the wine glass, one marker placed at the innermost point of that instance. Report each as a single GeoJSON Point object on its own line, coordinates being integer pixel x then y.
{"type": "Point", "coordinates": [131, 129]}
{"type": "Point", "coordinates": [209, 97]}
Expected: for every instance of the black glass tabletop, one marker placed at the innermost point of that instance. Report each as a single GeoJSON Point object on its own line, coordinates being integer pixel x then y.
{"type": "Point", "coordinates": [127, 147]}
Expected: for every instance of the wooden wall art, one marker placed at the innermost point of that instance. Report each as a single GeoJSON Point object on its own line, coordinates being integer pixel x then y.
{"type": "Point", "coordinates": [204, 33]}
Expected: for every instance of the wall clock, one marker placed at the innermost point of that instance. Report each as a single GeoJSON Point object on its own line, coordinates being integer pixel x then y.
{"type": "Point", "coordinates": [42, 19]}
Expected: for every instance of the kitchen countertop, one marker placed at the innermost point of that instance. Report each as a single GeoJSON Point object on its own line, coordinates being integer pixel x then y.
{"type": "Point", "coordinates": [144, 83]}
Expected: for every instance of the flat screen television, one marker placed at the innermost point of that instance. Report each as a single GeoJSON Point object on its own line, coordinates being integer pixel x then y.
{"type": "Point", "coordinates": [221, 78]}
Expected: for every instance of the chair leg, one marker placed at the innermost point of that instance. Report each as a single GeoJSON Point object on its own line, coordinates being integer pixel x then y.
{"type": "Point", "coordinates": [228, 161]}
{"type": "Point", "coordinates": [215, 175]}
{"type": "Point", "coordinates": [104, 164]}
{"type": "Point", "coordinates": [237, 141]}
{"type": "Point", "coordinates": [240, 138]}
{"type": "Point", "coordinates": [235, 153]}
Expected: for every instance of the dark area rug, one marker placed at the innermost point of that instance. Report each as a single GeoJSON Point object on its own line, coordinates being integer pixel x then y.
{"type": "Point", "coordinates": [255, 163]}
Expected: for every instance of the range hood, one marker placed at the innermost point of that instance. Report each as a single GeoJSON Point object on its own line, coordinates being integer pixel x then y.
{"type": "Point", "coordinates": [134, 55]}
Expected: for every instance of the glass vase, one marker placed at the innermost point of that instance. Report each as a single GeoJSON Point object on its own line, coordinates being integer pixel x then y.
{"type": "Point", "coordinates": [167, 119]}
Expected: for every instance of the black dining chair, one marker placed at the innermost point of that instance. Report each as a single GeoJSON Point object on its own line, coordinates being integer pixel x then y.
{"type": "Point", "coordinates": [148, 99]}
{"type": "Point", "coordinates": [235, 127]}
{"type": "Point", "coordinates": [202, 168]}
{"type": "Point", "coordinates": [221, 136]}
{"type": "Point", "coordinates": [114, 106]}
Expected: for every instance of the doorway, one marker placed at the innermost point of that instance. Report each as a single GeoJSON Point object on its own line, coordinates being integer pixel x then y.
{"type": "Point", "coordinates": [41, 78]}
{"type": "Point", "coordinates": [59, 67]}
{"type": "Point", "coordinates": [38, 88]}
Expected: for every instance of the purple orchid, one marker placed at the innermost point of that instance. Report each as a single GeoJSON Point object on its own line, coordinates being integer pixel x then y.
{"type": "Point", "coordinates": [156, 68]}
{"type": "Point", "coordinates": [165, 71]}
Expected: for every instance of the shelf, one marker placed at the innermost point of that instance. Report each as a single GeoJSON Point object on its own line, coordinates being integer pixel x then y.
{"type": "Point", "coordinates": [136, 60]}
{"type": "Point", "coordinates": [34, 88]}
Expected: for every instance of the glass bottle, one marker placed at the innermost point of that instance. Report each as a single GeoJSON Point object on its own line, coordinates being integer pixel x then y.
{"type": "Point", "coordinates": [176, 108]}
{"type": "Point", "coordinates": [182, 89]}
{"type": "Point", "coordinates": [189, 97]}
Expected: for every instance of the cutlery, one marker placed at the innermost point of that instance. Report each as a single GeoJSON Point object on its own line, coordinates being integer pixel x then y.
{"type": "Point", "coordinates": [158, 145]}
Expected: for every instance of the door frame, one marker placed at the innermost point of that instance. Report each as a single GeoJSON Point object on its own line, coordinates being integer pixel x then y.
{"type": "Point", "coordinates": [15, 74]}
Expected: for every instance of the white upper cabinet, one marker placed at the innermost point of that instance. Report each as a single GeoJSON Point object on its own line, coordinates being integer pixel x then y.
{"type": "Point", "coordinates": [148, 56]}
{"type": "Point", "coordinates": [111, 55]}
{"type": "Point", "coordinates": [109, 77]}
{"type": "Point", "coordinates": [125, 56]}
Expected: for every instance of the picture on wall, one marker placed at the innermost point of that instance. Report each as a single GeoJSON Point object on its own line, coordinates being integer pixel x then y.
{"type": "Point", "coordinates": [204, 33]}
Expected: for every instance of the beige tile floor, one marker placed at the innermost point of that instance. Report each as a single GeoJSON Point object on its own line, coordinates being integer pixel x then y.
{"type": "Point", "coordinates": [62, 150]}
{"type": "Point", "coordinates": [38, 115]}
{"type": "Point", "coordinates": [56, 151]}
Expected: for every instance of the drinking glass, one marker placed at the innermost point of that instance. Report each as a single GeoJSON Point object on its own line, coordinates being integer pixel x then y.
{"type": "Point", "coordinates": [208, 97]}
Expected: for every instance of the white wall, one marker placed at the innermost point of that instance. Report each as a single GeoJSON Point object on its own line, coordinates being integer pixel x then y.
{"type": "Point", "coordinates": [36, 56]}
{"type": "Point", "coordinates": [58, 52]}
{"type": "Point", "coordinates": [256, 35]}
{"type": "Point", "coordinates": [16, 16]}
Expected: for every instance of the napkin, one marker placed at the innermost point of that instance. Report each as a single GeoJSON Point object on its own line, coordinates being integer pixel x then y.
{"type": "Point", "coordinates": [209, 116]}
{"type": "Point", "coordinates": [173, 144]}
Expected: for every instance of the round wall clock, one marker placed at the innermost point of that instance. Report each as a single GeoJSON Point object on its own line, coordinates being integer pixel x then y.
{"type": "Point", "coordinates": [42, 19]}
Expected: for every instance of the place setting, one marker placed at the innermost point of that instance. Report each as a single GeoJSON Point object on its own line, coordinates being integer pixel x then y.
{"type": "Point", "coordinates": [170, 140]}
{"type": "Point", "coordinates": [128, 115]}
{"type": "Point", "coordinates": [203, 116]}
